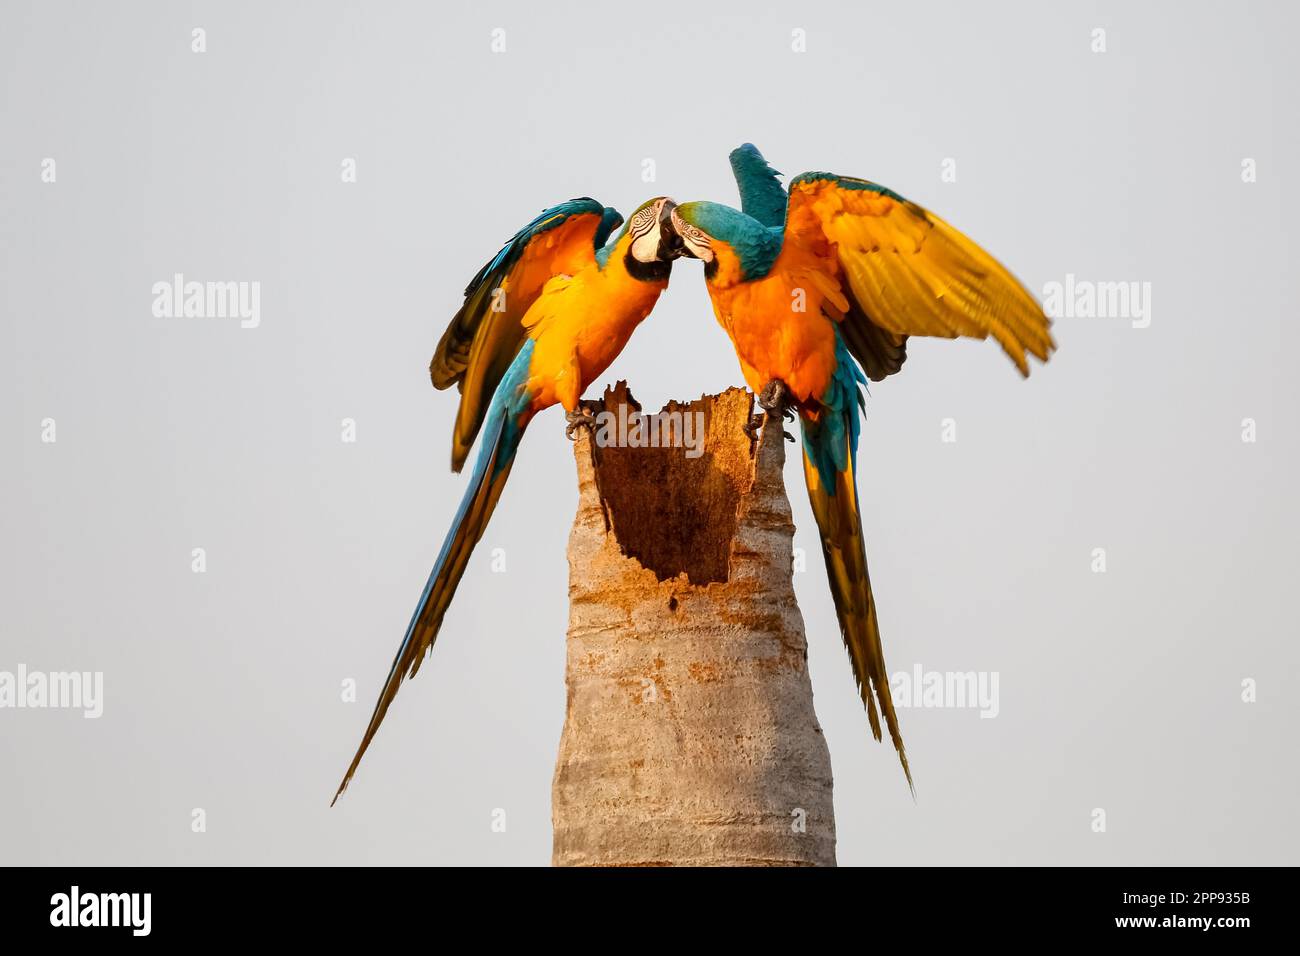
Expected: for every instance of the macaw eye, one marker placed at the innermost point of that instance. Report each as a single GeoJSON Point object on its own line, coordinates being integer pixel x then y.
{"type": "Point", "coordinates": [643, 221]}
{"type": "Point", "coordinates": [697, 236]}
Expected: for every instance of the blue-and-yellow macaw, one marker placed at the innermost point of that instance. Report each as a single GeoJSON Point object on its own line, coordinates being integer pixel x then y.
{"type": "Point", "coordinates": [543, 319]}
{"type": "Point", "coordinates": [817, 284]}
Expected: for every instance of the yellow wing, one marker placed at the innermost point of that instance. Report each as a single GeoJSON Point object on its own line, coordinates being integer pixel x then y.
{"type": "Point", "coordinates": [910, 273]}
{"type": "Point", "coordinates": [485, 335]}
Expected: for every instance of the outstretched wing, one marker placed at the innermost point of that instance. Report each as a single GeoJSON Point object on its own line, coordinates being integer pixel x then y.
{"type": "Point", "coordinates": [761, 193]}
{"type": "Point", "coordinates": [908, 272]}
{"type": "Point", "coordinates": [485, 335]}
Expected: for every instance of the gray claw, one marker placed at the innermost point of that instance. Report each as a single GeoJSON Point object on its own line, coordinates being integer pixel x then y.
{"type": "Point", "coordinates": [580, 418]}
{"type": "Point", "coordinates": [773, 396]}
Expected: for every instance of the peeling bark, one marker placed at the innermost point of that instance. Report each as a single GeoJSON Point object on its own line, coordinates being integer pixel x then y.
{"type": "Point", "coordinates": [689, 734]}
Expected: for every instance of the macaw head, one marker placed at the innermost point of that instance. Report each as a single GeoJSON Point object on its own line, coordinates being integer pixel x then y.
{"type": "Point", "coordinates": [653, 239]}
{"type": "Point", "coordinates": [716, 233]}
{"type": "Point", "coordinates": [648, 242]}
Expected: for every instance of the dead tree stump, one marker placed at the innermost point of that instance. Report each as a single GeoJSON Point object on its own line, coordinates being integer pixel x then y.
{"type": "Point", "coordinates": [689, 734]}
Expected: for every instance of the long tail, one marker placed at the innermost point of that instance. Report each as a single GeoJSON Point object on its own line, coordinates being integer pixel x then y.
{"type": "Point", "coordinates": [504, 430]}
{"type": "Point", "coordinates": [830, 439]}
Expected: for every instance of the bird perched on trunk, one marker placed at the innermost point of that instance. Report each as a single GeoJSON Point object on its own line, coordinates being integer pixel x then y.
{"type": "Point", "coordinates": [812, 283]}
{"type": "Point", "coordinates": [543, 319]}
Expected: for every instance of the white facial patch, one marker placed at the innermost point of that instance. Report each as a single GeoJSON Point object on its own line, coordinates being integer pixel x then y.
{"type": "Point", "coordinates": [645, 248]}
{"type": "Point", "coordinates": [695, 240]}
{"type": "Point", "coordinates": [703, 253]}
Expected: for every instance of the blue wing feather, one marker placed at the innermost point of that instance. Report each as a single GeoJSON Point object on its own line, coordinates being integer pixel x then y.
{"type": "Point", "coordinates": [761, 193]}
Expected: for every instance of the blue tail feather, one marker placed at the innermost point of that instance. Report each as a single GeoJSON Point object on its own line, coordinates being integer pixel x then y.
{"type": "Point", "coordinates": [830, 442]}
{"type": "Point", "coordinates": [505, 429]}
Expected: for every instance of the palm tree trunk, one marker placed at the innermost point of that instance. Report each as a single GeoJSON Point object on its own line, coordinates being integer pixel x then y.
{"type": "Point", "coordinates": [689, 736]}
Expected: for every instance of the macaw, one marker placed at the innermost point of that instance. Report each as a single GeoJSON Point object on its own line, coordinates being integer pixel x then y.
{"type": "Point", "coordinates": [817, 285]}
{"type": "Point", "coordinates": [542, 320]}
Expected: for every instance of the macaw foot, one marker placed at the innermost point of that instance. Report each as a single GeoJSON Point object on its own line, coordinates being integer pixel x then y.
{"type": "Point", "coordinates": [774, 399]}
{"type": "Point", "coordinates": [773, 396]}
{"type": "Point", "coordinates": [578, 418]}
{"type": "Point", "coordinates": [757, 422]}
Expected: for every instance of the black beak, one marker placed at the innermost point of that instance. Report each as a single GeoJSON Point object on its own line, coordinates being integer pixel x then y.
{"type": "Point", "coordinates": [670, 244]}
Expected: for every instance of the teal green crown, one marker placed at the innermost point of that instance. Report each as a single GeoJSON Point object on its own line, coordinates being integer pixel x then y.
{"type": "Point", "coordinates": [755, 244]}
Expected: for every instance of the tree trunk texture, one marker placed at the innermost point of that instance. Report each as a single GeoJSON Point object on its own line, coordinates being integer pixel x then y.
{"type": "Point", "coordinates": [689, 734]}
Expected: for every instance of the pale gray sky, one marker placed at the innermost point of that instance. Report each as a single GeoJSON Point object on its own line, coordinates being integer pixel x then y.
{"type": "Point", "coordinates": [221, 691]}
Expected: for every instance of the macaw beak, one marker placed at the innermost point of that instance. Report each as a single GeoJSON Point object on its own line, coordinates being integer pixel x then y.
{"type": "Point", "coordinates": [670, 243]}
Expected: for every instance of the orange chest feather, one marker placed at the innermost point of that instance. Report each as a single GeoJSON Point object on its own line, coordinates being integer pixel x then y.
{"type": "Point", "coordinates": [580, 325]}
{"type": "Point", "coordinates": [779, 331]}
